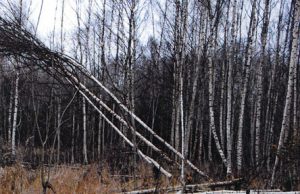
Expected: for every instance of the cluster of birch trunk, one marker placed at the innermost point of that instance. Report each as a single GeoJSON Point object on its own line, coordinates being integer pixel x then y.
{"type": "Point", "coordinates": [218, 80]}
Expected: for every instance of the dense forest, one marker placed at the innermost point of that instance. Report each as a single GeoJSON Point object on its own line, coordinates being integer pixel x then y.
{"type": "Point", "coordinates": [200, 90]}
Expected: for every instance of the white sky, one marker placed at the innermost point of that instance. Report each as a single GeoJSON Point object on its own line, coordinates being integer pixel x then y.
{"type": "Point", "coordinates": [49, 13]}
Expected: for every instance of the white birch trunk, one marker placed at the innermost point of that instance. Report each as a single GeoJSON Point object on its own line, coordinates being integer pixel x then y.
{"type": "Point", "coordinates": [99, 136]}
{"type": "Point", "coordinates": [211, 103]}
{"type": "Point", "coordinates": [264, 34]}
{"type": "Point", "coordinates": [177, 73]}
{"type": "Point", "coordinates": [222, 106]}
{"type": "Point", "coordinates": [11, 100]}
{"type": "Point", "coordinates": [292, 64]}
{"type": "Point", "coordinates": [85, 160]}
{"type": "Point", "coordinates": [295, 126]}
{"type": "Point", "coordinates": [223, 82]}
{"type": "Point", "coordinates": [195, 81]}
{"type": "Point", "coordinates": [15, 116]}
{"type": "Point", "coordinates": [182, 130]}
{"type": "Point", "coordinates": [269, 116]}
{"type": "Point", "coordinates": [201, 126]}
{"type": "Point", "coordinates": [229, 91]}
{"type": "Point", "coordinates": [173, 118]}
{"type": "Point", "coordinates": [248, 58]}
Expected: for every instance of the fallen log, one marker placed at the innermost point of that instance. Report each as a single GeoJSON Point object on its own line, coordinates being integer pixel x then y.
{"type": "Point", "coordinates": [212, 186]}
{"type": "Point", "coordinates": [191, 188]}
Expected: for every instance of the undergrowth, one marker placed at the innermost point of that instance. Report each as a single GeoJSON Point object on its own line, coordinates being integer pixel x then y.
{"type": "Point", "coordinates": [88, 179]}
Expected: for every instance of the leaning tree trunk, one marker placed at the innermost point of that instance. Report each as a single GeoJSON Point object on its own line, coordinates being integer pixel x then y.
{"type": "Point", "coordinates": [287, 106]}
{"type": "Point", "coordinates": [211, 96]}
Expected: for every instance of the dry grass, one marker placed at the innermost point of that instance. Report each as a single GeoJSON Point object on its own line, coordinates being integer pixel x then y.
{"type": "Point", "coordinates": [76, 179]}
{"type": "Point", "coordinates": [88, 179]}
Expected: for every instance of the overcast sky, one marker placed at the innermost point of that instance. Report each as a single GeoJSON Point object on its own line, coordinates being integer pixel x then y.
{"type": "Point", "coordinates": [51, 14]}
{"type": "Point", "coordinates": [52, 10]}
{"type": "Point", "coordinates": [49, 11]}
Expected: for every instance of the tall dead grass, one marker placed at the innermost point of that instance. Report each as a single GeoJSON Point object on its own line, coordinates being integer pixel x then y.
{"type": "Point", "coordinates": [89, 179]}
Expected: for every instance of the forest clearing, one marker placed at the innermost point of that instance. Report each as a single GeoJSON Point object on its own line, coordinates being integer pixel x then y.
{"type": "Point", "coordinates": [158, 96]}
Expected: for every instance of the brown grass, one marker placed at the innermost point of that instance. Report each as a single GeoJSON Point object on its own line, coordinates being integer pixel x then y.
{"type": "Point", "coordinates": [77, 179]}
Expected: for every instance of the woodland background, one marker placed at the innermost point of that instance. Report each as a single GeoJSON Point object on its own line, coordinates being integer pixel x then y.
{"type": "Point", "coordinates": [218, 80]}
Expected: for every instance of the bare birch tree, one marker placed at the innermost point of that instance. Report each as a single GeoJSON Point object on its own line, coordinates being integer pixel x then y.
{"type": "Point", "coordinates": [288, 98]}
{"type": "Point", "coordinates": [264, 34]}
{"type": "Point", "coordinates": [246, 73]}
{"type": "Point", "coordinates": [229, 90]}
{"type": "Point", "coordinates": [15, 116]}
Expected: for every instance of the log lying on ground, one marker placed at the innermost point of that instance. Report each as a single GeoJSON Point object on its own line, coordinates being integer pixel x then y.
{"type": "Point", "coordinates": [191, 188]}
{"type": "Point", "coordinates": [235, 182]}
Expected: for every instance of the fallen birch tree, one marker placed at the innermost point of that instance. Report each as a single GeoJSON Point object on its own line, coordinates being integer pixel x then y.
{"type": "Point", "coordinates": [19, 42]}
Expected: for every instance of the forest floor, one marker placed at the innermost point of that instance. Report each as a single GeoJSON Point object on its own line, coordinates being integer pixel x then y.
{"type": "Point", "coordinates": [89, 179]}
